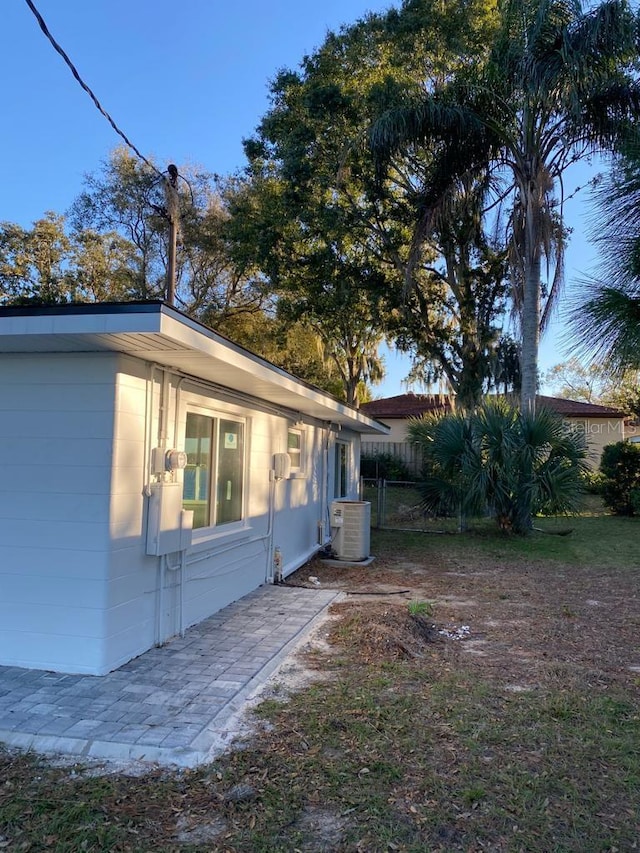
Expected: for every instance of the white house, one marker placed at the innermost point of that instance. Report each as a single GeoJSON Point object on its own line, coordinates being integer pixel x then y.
{"type": "Point", "coordinates": [151, 472]}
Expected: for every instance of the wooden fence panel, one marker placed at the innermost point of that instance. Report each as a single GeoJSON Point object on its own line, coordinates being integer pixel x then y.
{"type": "Point", "coordinates": [408, 453]}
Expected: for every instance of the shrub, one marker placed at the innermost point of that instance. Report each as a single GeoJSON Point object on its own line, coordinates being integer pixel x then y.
{"type": "Point", "coordinates": [384, 466]}
{"type": "Point", "coordinates": [593, 482]}
{"type": "Point", "coordinates": [620, 465]}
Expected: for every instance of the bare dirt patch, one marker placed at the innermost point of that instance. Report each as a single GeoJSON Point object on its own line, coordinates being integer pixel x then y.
{"type": "Point", "coordinates": [531, 624]}
{"type": "Point", "coordinates": [322, 829]}
{"type": "Point", "coordinates": [378, 631]}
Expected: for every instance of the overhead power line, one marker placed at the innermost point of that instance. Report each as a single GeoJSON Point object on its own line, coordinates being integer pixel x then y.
{"type": "Point", "coordinates": [75, 73]}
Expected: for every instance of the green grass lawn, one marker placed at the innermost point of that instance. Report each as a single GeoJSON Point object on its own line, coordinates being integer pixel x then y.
{"type": "Point", "coordinates": [599, 540]}
{"type": "Point", "coordinates": [525, 737]}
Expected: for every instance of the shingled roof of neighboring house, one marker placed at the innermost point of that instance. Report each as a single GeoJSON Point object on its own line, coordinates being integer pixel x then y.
{"type": "Point", "coordinates": [406, 406]}
{"type": "Point", "coordinates": [578, 409]}
{"type": "Point", "coordinates": [415, 405]}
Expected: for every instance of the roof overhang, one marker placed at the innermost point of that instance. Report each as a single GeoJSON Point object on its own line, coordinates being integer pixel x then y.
{"type": "Point", "coordinates": [159, 334]}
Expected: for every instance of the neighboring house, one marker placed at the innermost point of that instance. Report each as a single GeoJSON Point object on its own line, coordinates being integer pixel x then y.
{"type": "Point", "coordinates": [151, 468]}
{"type": "Point", "coordinates": [632, 430]}
{"type": "Point", "coordinates": [601, 425]}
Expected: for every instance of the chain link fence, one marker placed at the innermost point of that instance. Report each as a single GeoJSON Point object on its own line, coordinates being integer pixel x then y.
{"type": "Point", "coordinates": [395, 504]}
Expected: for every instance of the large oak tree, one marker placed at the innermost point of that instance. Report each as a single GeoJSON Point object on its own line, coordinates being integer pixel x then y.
{"type": "Point", "coordinates": [334, 241]}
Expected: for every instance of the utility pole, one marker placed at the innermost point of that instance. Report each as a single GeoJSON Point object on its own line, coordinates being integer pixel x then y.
{"type": "Point", "coordinates": [171, 190]}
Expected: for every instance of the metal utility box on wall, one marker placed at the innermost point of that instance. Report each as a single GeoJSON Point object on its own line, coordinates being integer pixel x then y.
{"type": "Point", "coordinates": [352, 522]}
{"type": "Point", "coordinates": [169, 526]}
{"type": "Point", "coordinates": [281, 466]}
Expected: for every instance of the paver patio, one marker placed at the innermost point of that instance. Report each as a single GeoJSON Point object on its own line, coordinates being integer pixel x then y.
{"type": "Point", "coordinates": [169, 705]}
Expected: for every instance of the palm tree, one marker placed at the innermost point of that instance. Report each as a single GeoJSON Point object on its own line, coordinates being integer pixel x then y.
{"type": "Point", "coordinates": [501, 460]}
{"type": "Point", "coordinates": [556, 87]}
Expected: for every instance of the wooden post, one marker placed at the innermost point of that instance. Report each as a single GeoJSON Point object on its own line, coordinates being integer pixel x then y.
{"type": "Point", "coordinates": [171, 187]}
{"type": "Point", "coordinates": [171, 267]}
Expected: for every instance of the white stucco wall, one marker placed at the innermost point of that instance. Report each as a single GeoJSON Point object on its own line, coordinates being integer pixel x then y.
{"type": "Point", "coordinates": [78, 592]}
{"type": "Point", "coordinates": [56, 429]}
{"type": "Point", "coordinates": [131, 577]}
{"type": "Point", "coordinates": [222, 565]}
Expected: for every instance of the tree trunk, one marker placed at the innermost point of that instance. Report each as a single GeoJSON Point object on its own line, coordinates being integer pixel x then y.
{"type": "Point", "coordinates": [529, 355]}
{"type": "Point", "coordinates": [530, 329]}
{"type": "Point", "coordinates": [351, 386]}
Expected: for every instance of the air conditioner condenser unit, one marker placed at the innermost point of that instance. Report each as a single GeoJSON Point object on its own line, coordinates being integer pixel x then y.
{"type": "Point", "coordinates": [351, 526]}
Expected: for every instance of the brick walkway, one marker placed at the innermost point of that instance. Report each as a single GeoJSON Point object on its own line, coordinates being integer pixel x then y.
{"type": "Point", "coordinates": [170, 704]}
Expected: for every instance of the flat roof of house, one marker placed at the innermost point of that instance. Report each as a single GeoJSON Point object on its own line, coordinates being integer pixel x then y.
{"type": "Point", "coordinates": [415, 405]}
{"type": "Point", "coordinates": [160, 334]}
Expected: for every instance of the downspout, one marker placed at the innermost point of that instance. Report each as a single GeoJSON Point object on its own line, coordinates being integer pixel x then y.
{"type": "Point", "coordinates": [146, 487]}
{"type": "Point", "coordinates": [183, 553]}
{"type": "Point", "coordinates": [183, 566]}
{"type": "Point", "coordinates": [268, 575]}
{"type": "Point", "coordinates": [163, 413]}
{"type": "Point", "coordinates": [162, 442]}
{"type": "Point", "coordinates": [148, 414]}
{"type": "Point", "coordinates": [324, 505]}
{"type": "Point", "coordinates": [180, 567]}
{"type": "Point", "coordinates": [176, 419]}
{"type": "Point", "coordinates": [160, 620]}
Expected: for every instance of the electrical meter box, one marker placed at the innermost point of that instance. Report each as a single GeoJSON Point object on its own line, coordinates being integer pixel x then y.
{"type": "Point", "coordinates": [169, 526]}
{"type": "Point", "coordinates": [281, 466]}
{"type": "Point", "coordinates": [167, 460]}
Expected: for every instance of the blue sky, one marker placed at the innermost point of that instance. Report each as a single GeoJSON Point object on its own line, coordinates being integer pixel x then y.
{"type": "Point", "coordinates": [185, 81]}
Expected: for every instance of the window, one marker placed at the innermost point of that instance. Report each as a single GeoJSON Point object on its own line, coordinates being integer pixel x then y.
{"type": "Point", "coordinates": [341, 470]}
{"type": "Point", "coordinates": [214, 477]}
{"type": "Point", "coordinates": [295, 446]}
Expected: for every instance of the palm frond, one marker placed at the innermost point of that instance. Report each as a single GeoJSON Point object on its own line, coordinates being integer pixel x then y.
{"type": "Point", "coordinates": [606, 325]}
{"type": "Point", "coordinates": [606, 32]}
{"type": "Point", "coordinates": [605, 113]}
{"type": "Point", "coordinates": [615, 224]}
{"type": "Point", "coordinates": [430, 120]}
